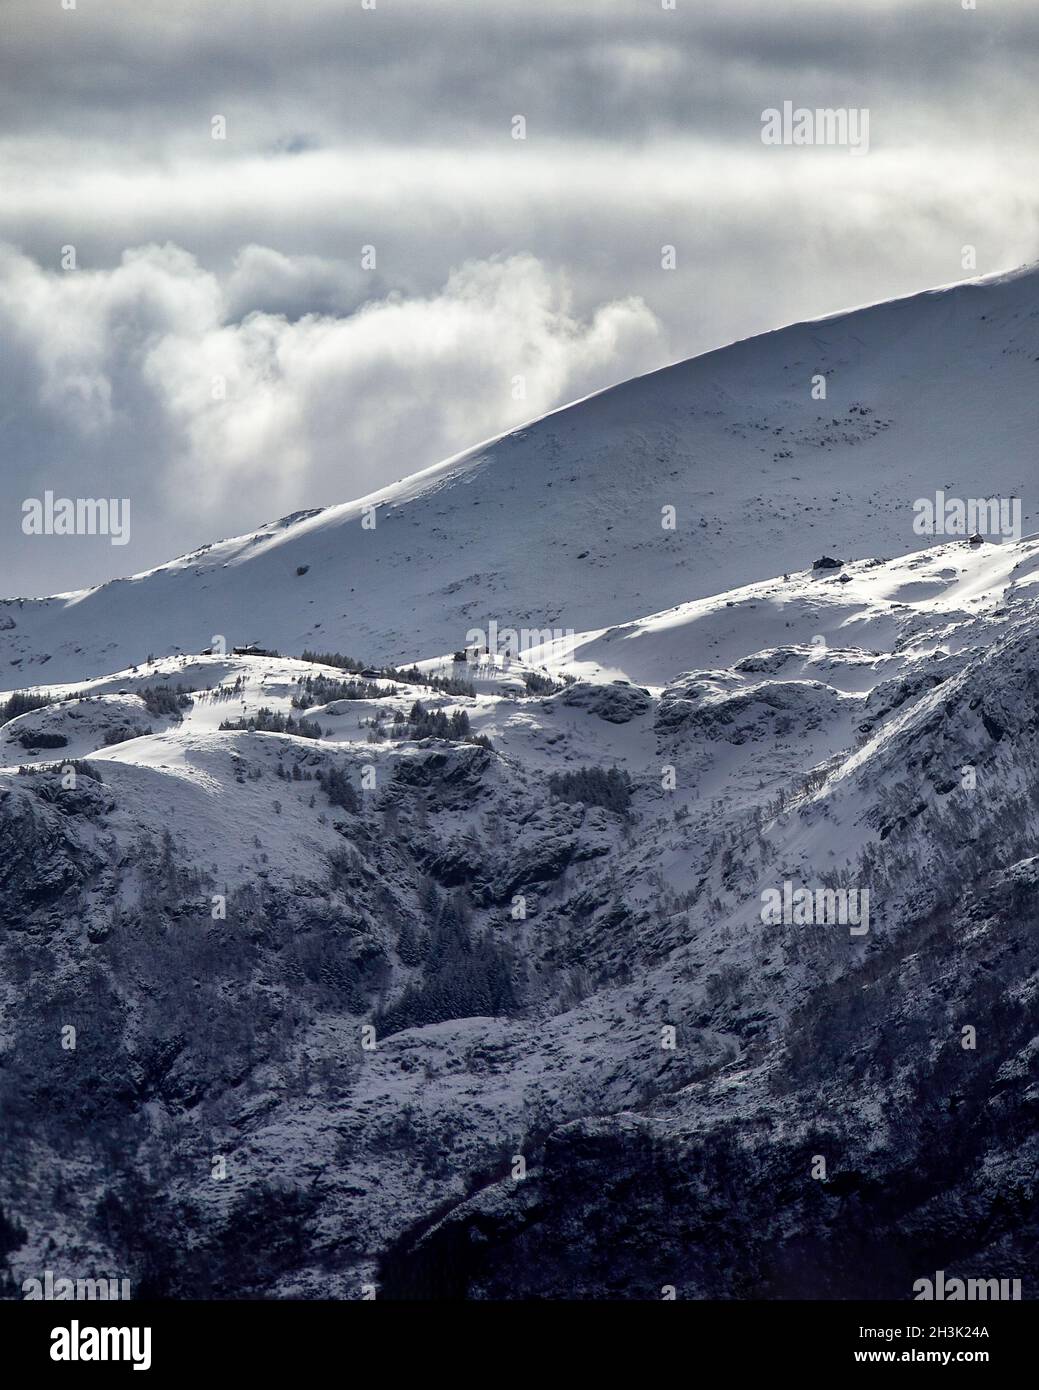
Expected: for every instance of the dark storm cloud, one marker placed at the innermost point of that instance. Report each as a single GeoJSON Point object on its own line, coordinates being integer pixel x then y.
{"type": "Point", "coordinates": [289, 77]}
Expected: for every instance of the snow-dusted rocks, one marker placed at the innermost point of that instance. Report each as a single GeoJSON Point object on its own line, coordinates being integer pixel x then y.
{"type": "Point", "coordinates": [223, 919]}
{"type": "Point", "coordinates": [616, 702]}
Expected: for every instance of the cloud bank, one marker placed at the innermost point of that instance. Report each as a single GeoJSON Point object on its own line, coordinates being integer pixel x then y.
{"type": "Point", "coordinates": [392, 127]}
{"type": "Point", "coordinates": [222, 401]}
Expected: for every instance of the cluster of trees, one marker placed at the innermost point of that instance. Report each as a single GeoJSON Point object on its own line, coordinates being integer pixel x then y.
{"type": "Point", "coordinates": [21, 702]}
{"type": "Point", "coordinates": [447, 685]}
{"type": "Point", "coordinates": [81, 769]}
{"type": "Point", "coordinates": [336, 659]}
{"type": "Point", "coordinates": [166, 699]}
{"type": "Point", "coordinates": [435, 723]}
{"type": "Point", "coordinates": [267, 721]}
{"type": "Point", "coordinates": [319, 690]}
{"type": "Point", "coordinates": [595, 786]}
{"type": "Point", "coordinates": [465, 976]}
{"type": "Point", "coordinates": [122, 732]}
{"type": "Point", "coordinates": [298, 773]}
{"type": "Point", "coordinates": [336, 785]}
{"type": "Point", "coordinates": [227, 692]}
{"type": "Point", "coordinates": [28, 739]}
{"type": "Point", "coordinates": [544, 685]}
{"type": "Point", "coordinates": [411, 675]}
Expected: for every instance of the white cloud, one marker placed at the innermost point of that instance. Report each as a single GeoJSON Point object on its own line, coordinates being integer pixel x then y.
{"type": "Point", "coordinates": [157, 372]}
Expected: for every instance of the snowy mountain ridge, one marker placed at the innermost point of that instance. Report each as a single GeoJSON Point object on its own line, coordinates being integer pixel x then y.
{"type": "Point", "coordinates": [562, 523]}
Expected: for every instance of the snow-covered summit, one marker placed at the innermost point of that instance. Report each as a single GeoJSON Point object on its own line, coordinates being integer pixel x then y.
{"type": "Point", "coordinates": [564, 523]}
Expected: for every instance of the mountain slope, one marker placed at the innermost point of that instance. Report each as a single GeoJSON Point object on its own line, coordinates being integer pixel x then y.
{"type": "Point", "coordinates": [239, 1034]}
{"type": "Point", "coordinates": [558, 524]}
{"type": "Point", "coordinates": [339, 947]}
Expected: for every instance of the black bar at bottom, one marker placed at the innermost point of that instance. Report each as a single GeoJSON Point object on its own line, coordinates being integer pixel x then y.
{"type": "Point", "coordinates": [165, 1340]}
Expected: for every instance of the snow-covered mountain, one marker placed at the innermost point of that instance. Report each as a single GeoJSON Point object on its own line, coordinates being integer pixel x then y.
{"type": "Point", "coordinates": [454, 979]}
{"type": "Point", "coordinates": [559, 524]}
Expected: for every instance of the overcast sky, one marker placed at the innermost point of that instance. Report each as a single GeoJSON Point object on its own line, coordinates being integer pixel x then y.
{"type": "Point", "coordinates": [239, 260]}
